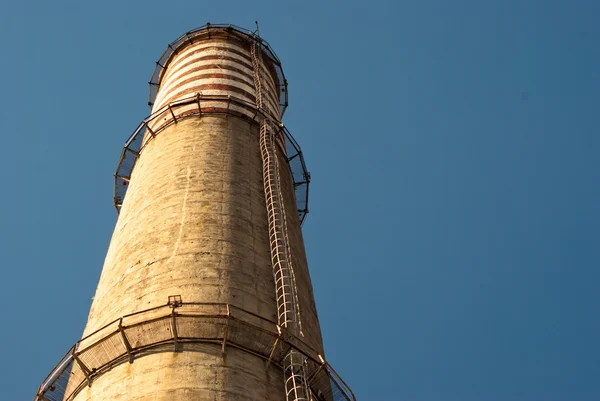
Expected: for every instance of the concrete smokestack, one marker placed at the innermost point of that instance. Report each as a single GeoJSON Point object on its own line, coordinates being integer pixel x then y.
{"type": "Point", "coordinates": [205, 292]}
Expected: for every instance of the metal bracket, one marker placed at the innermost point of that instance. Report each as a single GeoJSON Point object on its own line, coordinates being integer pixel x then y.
{"type": "Point", "coordinates": [226, 330]}
{"type": "Point", "coordinates": [274, 347]}
{"type": "Point", "coordinates": [173, 114]}
{"type": "Point", "coordinates": [149, 129]}
{"type": "Point", "coordinates": [133, 152]}
{"type": "Point", "coordinates": [174, 329]}
{"type": "Point", "coordinates": [323, 365]}
{"type": "Point", "coordinates": [125, 341]}
{"type": "Point", "coordinates": [174, 301]}
{"type": "Point", "coordinates": [84, 368]}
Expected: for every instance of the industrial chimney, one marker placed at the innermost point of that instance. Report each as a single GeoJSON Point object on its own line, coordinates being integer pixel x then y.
{"type": "Point", "coordinates": [205, 292]}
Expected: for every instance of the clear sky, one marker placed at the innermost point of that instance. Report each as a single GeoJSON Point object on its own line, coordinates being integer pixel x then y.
{"type": "Point", "coordinates": [453, 238]}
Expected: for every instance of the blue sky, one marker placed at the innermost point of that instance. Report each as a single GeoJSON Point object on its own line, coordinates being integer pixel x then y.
{"type": "Point", "coordinates": [455, 204]}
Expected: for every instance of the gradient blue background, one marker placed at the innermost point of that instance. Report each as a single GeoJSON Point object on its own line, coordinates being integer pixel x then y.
{"type": "Point", "coordinates": [455, 205]}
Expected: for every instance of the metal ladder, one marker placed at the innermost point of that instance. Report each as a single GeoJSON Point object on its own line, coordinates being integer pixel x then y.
{"type": "Point", "coordinates": [288, 308]}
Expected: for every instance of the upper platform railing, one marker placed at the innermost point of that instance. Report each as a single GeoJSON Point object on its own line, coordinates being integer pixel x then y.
{"type": "Point", "coordinates": [170, 328]}
{"type": "Point", "coordinates": [218, 29]}
{"type": "Point", "coordinates": [206, 105]}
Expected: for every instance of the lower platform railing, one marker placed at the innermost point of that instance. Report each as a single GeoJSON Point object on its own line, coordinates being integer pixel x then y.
{"type": "Point", "coordinates": [178, 323]}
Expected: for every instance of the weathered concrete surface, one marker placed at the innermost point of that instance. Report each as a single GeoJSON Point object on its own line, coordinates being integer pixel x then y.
{"type": "Point", "coordinates": [201, 374]}
{"type": "Point", "coordinates": [193, 223]}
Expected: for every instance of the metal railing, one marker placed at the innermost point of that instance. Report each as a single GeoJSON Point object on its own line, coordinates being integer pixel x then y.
{"type": "Point", "coordinates": [177, 324]}
{"type": "Point", "coordinates": [206, 105]}
{"type": "Point", "coordinates": [229, 31]}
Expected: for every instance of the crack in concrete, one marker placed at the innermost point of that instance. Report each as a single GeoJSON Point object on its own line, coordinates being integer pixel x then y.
{"type": "Point", "coordinates": [183, 214]}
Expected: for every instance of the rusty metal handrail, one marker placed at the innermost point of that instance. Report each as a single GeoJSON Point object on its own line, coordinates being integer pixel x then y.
{"type": "Point", "coordinates": [130, 336]}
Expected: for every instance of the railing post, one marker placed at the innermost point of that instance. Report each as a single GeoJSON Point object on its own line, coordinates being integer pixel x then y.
{"type": "Point", "coordinates": [40, 395]}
